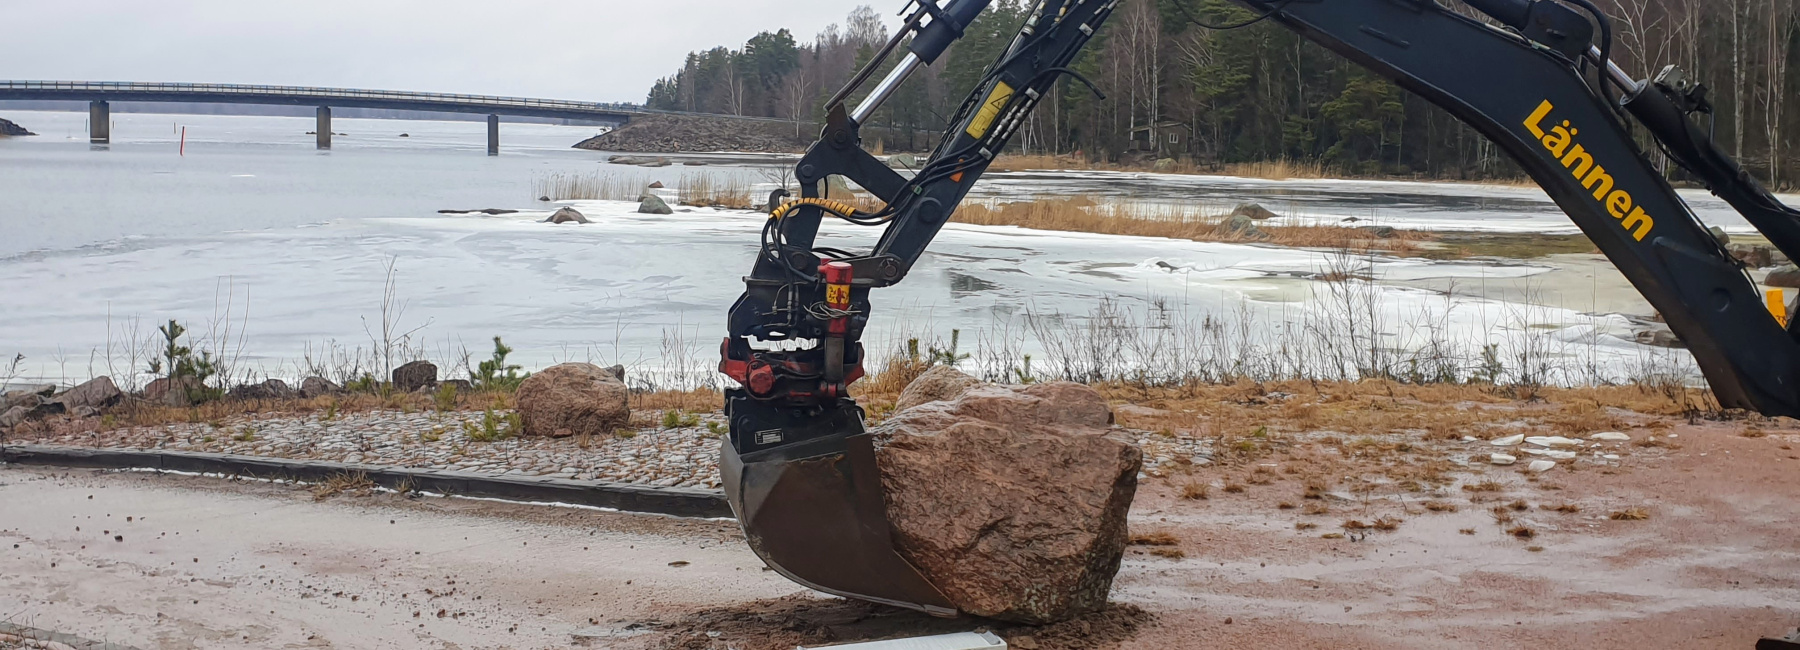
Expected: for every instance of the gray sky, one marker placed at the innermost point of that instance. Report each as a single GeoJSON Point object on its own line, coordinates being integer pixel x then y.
{"type": "Point", "coordinates": [596, 50]}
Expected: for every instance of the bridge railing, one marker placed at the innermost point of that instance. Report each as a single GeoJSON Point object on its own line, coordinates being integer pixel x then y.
{"type": "Point", "coordinates": [127, 88]}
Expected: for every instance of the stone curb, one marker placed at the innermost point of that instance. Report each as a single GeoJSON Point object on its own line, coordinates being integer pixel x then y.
{"type": "Point", "coordinates": [66, 640]}
{"type": "Point", "coordinates": [679, 502]}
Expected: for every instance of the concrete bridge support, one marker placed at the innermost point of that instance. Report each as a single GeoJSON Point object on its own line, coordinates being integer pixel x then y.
{"type": "Point", "coordinates": [493, 135]}
{"type": "Point", "coordinates": [99, 122]}
{"type": "Point", "coordinates": [324, 127]}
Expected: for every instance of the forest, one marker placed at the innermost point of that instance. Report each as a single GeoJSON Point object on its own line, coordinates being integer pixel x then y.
{"type": "Point", "coordinates": [1177, 89]}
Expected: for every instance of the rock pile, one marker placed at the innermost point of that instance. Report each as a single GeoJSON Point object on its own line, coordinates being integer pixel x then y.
{"type": "Point", "coordinates": [669, 133]}
{"type": "Point", "coordinates": [574, 399]}
{"type": "Point", "coordinates": [1011, 499]}
{"type": "Point", "coordinates": [85, 400]}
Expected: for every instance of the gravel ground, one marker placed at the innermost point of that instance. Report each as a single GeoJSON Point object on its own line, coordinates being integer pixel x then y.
{"type": "Point", "coordinates": [680, 457]}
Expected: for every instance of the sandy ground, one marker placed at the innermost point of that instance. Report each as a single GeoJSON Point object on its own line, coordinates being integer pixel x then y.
{"type": "Point", "coordinates": [183, 562]}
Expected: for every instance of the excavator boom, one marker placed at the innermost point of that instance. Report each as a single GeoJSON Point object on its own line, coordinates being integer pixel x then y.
{"type": "Point", "coordinates": [799, 469]}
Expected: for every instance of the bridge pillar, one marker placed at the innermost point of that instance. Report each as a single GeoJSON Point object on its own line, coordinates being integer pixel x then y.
{"type": "Point", "coordinates": [493, 135]}
{"type": "Point", "coordinates": [99, 122]}
{"type": "Point", "coordinates": [324, 127]}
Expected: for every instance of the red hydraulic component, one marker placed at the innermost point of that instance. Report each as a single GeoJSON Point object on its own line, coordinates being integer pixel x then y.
{"type": "Point", "coordinates": [753, 374]}
{"type": "Point", "coordinates": [837, 298]}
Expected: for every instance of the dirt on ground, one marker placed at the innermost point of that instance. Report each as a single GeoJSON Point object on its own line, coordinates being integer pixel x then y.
{"type": "Point", "coordinates": [806, 620]}
{"type": "Point", "coordinates": [679, 133]}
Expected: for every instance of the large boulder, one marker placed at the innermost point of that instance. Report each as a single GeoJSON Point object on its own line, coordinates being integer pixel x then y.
{"type": "Point", "coordinates": [311, 387]}
{"type": "Point", "coordinates": [567, 215]}
{"type": "Point", "coordinates": [414, 375]}
{"type": "Point", "coordinates": [938, 383]}
{"type": "Point", "coordinates": [573, 398]}
{"type": "Point", "coordinates": [1011, 499]}
{"type": "Point", "coordinates": [94, 394]}
{"type": "Point", "coordinates": [268, 389]}
{"type": "Point", "coordinates": [653, 204]}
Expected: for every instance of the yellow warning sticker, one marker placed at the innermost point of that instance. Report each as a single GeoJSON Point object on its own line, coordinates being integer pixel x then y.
{"type": "Point", "coordinates": [990, 109]}
{"type": "Point", "coordinates": [837, 294]}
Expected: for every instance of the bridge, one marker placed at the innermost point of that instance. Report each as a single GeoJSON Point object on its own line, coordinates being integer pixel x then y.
{"type": "Point", "coordinates": [98, 94]}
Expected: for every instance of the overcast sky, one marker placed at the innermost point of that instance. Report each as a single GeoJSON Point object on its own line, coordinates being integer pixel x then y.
{"type": "Point", "coordinates": [595, 50]}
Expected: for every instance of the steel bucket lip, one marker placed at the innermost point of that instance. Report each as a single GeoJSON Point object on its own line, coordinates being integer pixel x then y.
{"type": "Point", "coordinates": [731, 468]}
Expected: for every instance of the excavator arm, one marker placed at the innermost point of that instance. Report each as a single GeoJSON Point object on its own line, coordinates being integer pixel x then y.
{"type": "Point", "coordinates": [799, 469]}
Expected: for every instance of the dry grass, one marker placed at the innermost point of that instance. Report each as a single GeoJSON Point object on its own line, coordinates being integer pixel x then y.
{"type": "Point", "coordinates": [1195, 490]}
{"type": "Point", "coordinates": [353, 484]}
{"type": "Point", "coordinates": [1522, 531]}
{"type": "Point", "coordinates": [1234, 488]}
{"type": "Point", "coordinates": [1484, 486]}
{"type": "Point", "coordinates": [590, 186]}
{"type": "Point", "coordinates": [1304, 525]}
{"type": "Point", "coordinates": [1634, 513]}
{"type": "Point", "coordinates": [1440, 506]}
{"type": "Point", "coordinates": [1566, 508]}
{"type": "Point", "coordinates": [1171, 553]}
{"type": "Point", "coordinates": [708, 190]}
{"type": "Point", "coordinates": [1159, 538]}
{"type": "Point", "coordinates": [1316, 508]}
{"type": "Point", "coordinates": [1082, 214]}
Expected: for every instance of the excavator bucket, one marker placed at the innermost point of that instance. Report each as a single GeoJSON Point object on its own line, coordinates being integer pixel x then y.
{"type": "Point", "coordinates": [813, 509]}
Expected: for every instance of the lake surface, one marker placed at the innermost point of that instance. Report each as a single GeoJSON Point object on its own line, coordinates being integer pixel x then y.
{"type": "Point", "coordinates": [273, 252]}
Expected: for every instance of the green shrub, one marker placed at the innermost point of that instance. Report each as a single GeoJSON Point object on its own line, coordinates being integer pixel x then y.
{"type": "Point", "coordinates": [496, 373]}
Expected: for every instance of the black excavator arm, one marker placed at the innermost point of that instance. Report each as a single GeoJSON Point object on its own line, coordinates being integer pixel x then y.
{"type": "Point", "coordinates": [1544, 93]}
{"type": "Point", "coordinates": [798, 468]}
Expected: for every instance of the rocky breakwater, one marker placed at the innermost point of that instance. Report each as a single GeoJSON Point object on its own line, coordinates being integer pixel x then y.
{"type": "Point", "coordinates": [671, 133]}
{"type": "Point", "coordinates": [1011, 499]}
{"type": "Point", "coordinates": [7, 127]}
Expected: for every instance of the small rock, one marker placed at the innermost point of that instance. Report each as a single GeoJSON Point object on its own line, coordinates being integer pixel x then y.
{"type": "Point", "coordinates": [1661, 337]}
{"type": "Point", "coordinates": [1469, 438]}
{"type": "Point", "coordinates": [268, 389]}
{"type": "Point", "coordinates": [1380, 232]}
{"type": "Point", "coordinates": [567, 215]}
{"type": "Point", "coordinates": [1610, 436]}
{"type": "Point", "coordinates": [414, 375]}
{"type": "Point", "coordinates": [97, 393]}
{"type": "Point", "coordinates": [1163, 165]}
{"type": "Point", "coordinates": [1508, 441]}
{"type": "Point", "coordinates": [1552, 441]}
{"type": "Point", "coordinates": [1253, 211]}
{"type": "Point", "coordinates": [1541, 465]}
{"type": "Point", "coordinates": [172, 392]}
{"type": "Point", "coordinates": [656, 185]}
{"type": "Point", "coordinates": [1787, 276]}
{"type": "Point", "coordinates": [1755, 256]}
{"type": "Point", "coordinates": [318, 386]}
{"type": "Point", "coordinates": [545, 199]}
{"type": "Point", "coordinates": [13, 416]}
{"type": "Point", "coordinates": [1242, 226]}
{"type": "Point", "coordinates": [653, 204]}
{"type": "Point", "coordinates": [1501, 459]}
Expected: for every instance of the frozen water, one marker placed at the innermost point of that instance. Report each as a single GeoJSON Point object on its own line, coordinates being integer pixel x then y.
{"type": "Point", "coordinates": [289, 245]}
